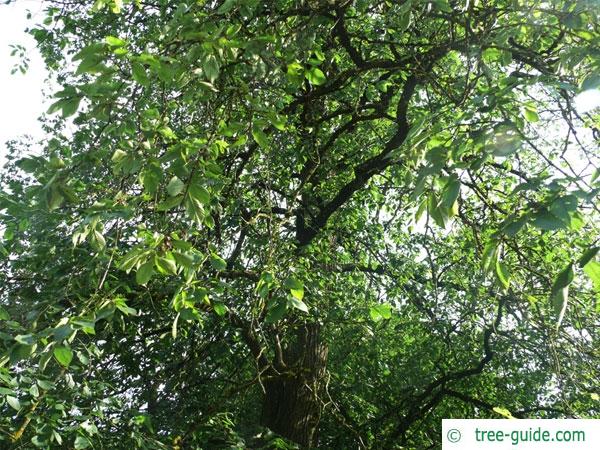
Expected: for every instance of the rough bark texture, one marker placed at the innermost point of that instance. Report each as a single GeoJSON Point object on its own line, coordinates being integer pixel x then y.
{"type": "Point", "coordinates": [292, 405]}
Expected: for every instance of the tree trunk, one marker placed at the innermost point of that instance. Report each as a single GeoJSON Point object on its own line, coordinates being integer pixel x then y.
{"type": "Point", "coordinates": [292, 403]}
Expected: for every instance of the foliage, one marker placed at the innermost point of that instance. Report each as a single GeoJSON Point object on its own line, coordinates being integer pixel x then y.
{"type": "Point", "coordinates": [220, 178]}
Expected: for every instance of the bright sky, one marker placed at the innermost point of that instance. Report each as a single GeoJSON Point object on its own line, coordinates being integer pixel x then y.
{"type": "Point", "coordinates": [21, 100]}
{"type": "Point", "coordinates": [587, 100]}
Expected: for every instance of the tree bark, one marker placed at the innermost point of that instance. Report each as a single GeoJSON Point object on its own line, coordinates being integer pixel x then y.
{"type": "Point", "coordinates": [292, 405]}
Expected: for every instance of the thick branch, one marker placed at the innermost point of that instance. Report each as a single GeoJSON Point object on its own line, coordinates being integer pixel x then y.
{"type": "Point", "coordinates": [363, 172]}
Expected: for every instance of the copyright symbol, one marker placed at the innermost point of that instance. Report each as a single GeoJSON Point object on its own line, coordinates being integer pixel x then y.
{"type": "Point", "coordinates": [453, 435]}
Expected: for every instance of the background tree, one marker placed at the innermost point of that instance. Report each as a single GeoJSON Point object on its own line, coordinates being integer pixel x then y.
{"type": "Point", "coordinates": [341, 221]}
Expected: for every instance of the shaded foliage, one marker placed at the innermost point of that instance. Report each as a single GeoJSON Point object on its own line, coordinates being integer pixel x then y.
{"type": "Point", "coordinates": [343, 221]}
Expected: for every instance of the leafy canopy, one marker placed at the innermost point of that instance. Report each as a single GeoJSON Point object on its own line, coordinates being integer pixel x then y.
{"type": "Point", "coordinates": [411, 176]}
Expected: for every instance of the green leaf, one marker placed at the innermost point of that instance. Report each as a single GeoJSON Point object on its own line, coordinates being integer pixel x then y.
{"type": "Point", "coordinates": [220, 308]}
{"type": "Point", "coordinates": [98, 240]}
{"type": "Point", "coordinates": [563, 206]}
{"type": "Point", "coordinates": [588, 256]}
{"type": "Point", "coordinates": [576, 221]}
{"type": "Point", "coordinates": [150, 178]}
{"type": "Point", "coordinates": [144, 420]}
{"type": "Point", "coordinates": [70, 106]}
{"type": "Point", "coordinates": [506, 58]}
{"type": "Point", "coordinates": [530, 114]}
{"type": "Point", "coordinates": [115, 41]}
{"type": "Point", "coordinates": [184, 259]}
{"type": "Point", "coordinates": [502, 274]}
{"type": "Point", "coordinates": [166, 265]}
{"type": "Point", "coordinates": [490, 55]}
{"type": "Point", "coordinates": [490, 256]}
{"type": "Point", "coordinates": [295, 286]}
{"type": "Point", "coordinates": [380, 312]}
{"type": "Point", "coordinates": [200, 193]}
{"type": "Point", "coordinates": [416, 128]}
{"type": "Point", "coordinates": [53, 198]}
{"type": "Point", "coordinates": [45, 385]}
{"type": "Point", "coordinates": [297, 293]}
{"type": "Point", "coordinates": [139, 74]}
{"type": "Point", "coordinates": [438, 213]}
{"type": "Point", "coordinates": [122, 306]}
{"type": "Point", "coordinates": [278, 121]}
{"type": "Point", "coordinates": [55, 107]}
{"type": "Point", "coordinates": [175, 186]}
{"type": "Point", "coordinates": [88, 326]}
{"type": "Point", "coordinates": [403, 22]}
{"type": "Point", "coordinates": [118, 156]}
{"type": "Point", "coordinates": [144, 273]}
{"type": "Point", "coordinates": [264, 284]}
{"type": "Point", "coordinates": [451, 193]}
{"type": "Point", "coordinates": [34, 391]}
{"type": "Point", "coordinates": [559, 303]}
{"type": "Point", "coordinates": [592, 270]}
{"type": "Point", "coordinates": [560, 292]}
{"type": "Point", "coordinates": [62, 332]}
{"type": "Point", "coordinates": [195, 209]}
{"type": "Point", "coordinates": [92, 49]}
{"type": "Point", "coordinates": [29, 165]}
{"type": "Point", "coordinates": [276, 311]}
{"type": "Point", "coordinates": [563, 279]}
{"type": "Point", "coordinates": [82, 442]}
{"type": "Point", "coordinates": [503, 412]}
{"type": "Point", "coordinates": [210, 67]}
{"type": "Point", "coordinates": [90, 63]}
{"type": "Point", "coordinates": [45, 358]}
{"type": "Point", "coordinates": [19, 352]}
{"type": "Point", "coordinates": [227, 6]}
{"type": "Point", "coordinates": [13, 402]}
{"type": "Point", "coordinates": [169, 203]}
{"type": "Point", "coordinates": [298, 304]}
{"type": "Point", "coordinates": [260, 137]}
{"type": "Point", "coordinates": [294, 69]}
{"type": "Point", "coordinates": [117, 5]}
{"type": "Point", "coordinates": [572, 20]}
{"type": "Point", "coordinates": [513, 227]}
{"type": "Point", "coordinates": [443, 6]}
{"type": "Point", "coordinates": [25, 339]}
{"type": "Point", "coordinates": [63, 355]}
{"type": "Point", "coordinates": [4, 314]}
{"type": "Point", "coordinates": [315, 76]}
{"type": "Point", "coordinates": [190, 314]}
{"type": "Point", "coordinates": [131, 259]}
{"type": "Point", "coordinates": [89, 427]}
{"type": "Point", "coordinates": [546, 221]}
{"type": "Point", "coordinates": [207, 86]}
{"type": "Point", "coordinates": [217, 262]}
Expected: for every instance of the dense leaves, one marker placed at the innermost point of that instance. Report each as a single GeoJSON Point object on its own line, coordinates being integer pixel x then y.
{"type": "Point", "coordinates": [330, 224]}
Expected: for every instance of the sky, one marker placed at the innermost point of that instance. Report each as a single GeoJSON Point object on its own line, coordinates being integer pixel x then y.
{"type": "Point", "coordinates": [21, 100]}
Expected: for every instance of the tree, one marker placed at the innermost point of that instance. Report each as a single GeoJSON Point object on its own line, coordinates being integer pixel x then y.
{"type": "Point", "coordinates": [332, 222]}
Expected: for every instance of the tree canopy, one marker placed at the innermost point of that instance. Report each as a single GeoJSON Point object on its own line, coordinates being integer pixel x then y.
{"type": "Point", "coordinates": [271, 224]}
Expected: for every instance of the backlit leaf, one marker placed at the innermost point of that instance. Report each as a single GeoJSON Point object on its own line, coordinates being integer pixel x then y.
{"type": "Point", "coordinates": [175, 186]}
{"type": "Point", "coordinates": [144, 273]}
{"type": "Point", "coordinates": [63, 355]}
{"type": "Point", "coordinates": [315, 76]}
{"type": "Point", "coordinates": [260, 137]}
{"type": "Point", "coordinates": [380, 312]}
